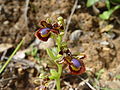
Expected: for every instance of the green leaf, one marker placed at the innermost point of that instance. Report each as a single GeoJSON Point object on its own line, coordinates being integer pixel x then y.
{"type": "Point", "coordinates": [50, 53]}
{"type": "Point", "coordinates": [52, 77]}
{"type": "Point", "coordinates": [64, 44]}
{"type": "Point", "coordinates": [37, 58]}
{"type": "Point", "coordinates": [34, 51]}
{"type": "Point", "coordinates": [43, 75]}
{"type": "Point", "coordinates": [54, 74]}
{"type": "Point", "coordinates": [91, 2]}
{"type": "Point", "coordinates": [108, 4]}
{"type": "Point", "coordinates": [99, 73]}
{"type": "Point", "coordinates": [117, 76]}
{"type": "Point", "coordinates": [106, 14]}
{"type": "Point", "coordinates": [115, 1]}
{"type": "Point", "coordinates": [58, 56]}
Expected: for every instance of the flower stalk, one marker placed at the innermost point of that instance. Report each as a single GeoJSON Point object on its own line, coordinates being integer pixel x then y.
{"type": "Point", "coordinates": [58, 79]}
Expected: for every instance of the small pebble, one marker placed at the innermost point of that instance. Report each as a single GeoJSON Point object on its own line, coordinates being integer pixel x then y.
{"type": "Point", "coordinates": [19, 55]}
{"type": "Point", "coordinates": [78, 7]}
{"type": "Point", "coordinates": [106, 49]}
{"type": "Point", "coordinates": [110, 35]}
{"type": "Point", "coordinates": [4, 47]}
{"type": "Point", "coordinates": [104, 43]}
{"type": "Point", "coordinates": [6, 22]}
{"type": "Point", "coordinates": [48, 44]}
{"type": "Point", "coordinates": [75, 35]}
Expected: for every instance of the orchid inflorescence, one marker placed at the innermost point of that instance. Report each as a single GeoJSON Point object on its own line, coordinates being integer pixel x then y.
{"type": "Point", "coordinates": [64, 57]}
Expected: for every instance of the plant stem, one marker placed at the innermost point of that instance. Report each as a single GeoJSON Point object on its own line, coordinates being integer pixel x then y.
{"type": "Point", "coordinates": [58, 83]}
{"type": "Point", "coordinates": [58, 79]}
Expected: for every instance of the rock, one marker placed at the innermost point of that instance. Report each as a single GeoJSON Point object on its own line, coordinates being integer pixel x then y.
{"type": "Point", "coordinates": [78, 6]}
{"type": "Point", "coordinates": [75, 35]}
{"type": "Point", "coordinates": [110, 35]}
{"type": "Point", "coordinates": [48, 44]}
{"type": "Point", "coordinates": [19, 55]}
{"type": "Point", "coordinates": [106, 49]}
{"type": "Point", "coordinates": [104, 43]}
{"type": "Point", "coordinates": [6, 22]}
{"type": "Point", "coordinates": [5, 46]}
{"type": "Point", "coordinates": [36, 42]}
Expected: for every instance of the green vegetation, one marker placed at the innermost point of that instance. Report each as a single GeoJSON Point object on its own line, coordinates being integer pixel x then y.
{"type": "Point", "coordinates": [106, 14]}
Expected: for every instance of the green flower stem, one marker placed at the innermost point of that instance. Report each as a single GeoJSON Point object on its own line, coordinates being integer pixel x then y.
{"type": "Point", "coordinates": [59, 69]}
{"type": "Point", "coordinates": [58, 79]}
{"type": "Point", "coordinates": [58, 83]}
{"type": "Point", "coordinates": [58, 41]}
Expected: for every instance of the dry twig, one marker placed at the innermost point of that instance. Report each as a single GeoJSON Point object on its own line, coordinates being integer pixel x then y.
{"type": "Point", "coordinates": [7, 79]}
{"type": "Point", "coordinates": [3, 55]}
{"type": "Point", "coordinates": [86, 82]}
{"type": "Point", "coordinates": [25, 11]}
{"type": "Point", "coordinates": [69, 20]}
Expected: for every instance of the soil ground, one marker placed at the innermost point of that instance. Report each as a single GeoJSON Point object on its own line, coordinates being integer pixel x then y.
{"type": "Point", "coordinates": [101, 48]}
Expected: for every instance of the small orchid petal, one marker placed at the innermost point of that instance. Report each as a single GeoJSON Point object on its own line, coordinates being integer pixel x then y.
{"type": "Point", "coordinates": [58, 27]}
{"type": "Point", "coordinates": [45, 24]}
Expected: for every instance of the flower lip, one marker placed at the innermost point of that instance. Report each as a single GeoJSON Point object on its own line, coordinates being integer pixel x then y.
{"type": "Point", "coordinates": [42, 37]}
{"type": "Point", "coordinates": [76, 63]}
{"type": "Point", "coordinates": [77, 67]}
{"type": "Point", "coordinates": [45, 32]}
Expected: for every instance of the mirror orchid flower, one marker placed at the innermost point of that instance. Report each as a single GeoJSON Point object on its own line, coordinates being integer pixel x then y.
{"type": "Point", "coordinates": [47, 29]}
{"type": "Point", "coordinates": [75, 64]}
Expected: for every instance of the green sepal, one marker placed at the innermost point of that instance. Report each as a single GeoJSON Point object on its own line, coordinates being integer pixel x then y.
{"type": "Point", "coordinates": [58, 41]}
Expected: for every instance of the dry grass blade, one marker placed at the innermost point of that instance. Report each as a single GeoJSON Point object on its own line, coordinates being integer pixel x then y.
{"type": "Point", "coordinates": [10, 58]}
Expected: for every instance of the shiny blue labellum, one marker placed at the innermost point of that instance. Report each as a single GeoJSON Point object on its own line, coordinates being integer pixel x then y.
{"type": "Point", "coordinates": [44, 31]}
{"type": "Point", "coordinates": [76, 63]}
